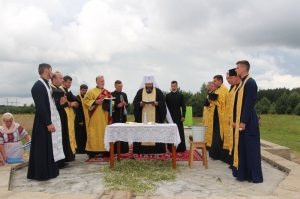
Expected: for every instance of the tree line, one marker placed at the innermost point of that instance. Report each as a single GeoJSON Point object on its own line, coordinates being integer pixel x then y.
{"type": "Point", "coordinates": [25, 109]}
{"type": "Point", "coordinates": [269, 101]}
{"type": "Point", "coordinates": [278, 101]}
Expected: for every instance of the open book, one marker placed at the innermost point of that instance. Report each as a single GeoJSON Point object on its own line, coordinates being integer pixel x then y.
{"type": "Point", "coordinates": [148, 102]}
{"type": "Point", "coordinates": [113, 98]}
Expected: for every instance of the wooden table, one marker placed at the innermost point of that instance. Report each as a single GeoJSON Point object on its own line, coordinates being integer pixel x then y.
{"type": "Point", "coordinates": [163, 133]}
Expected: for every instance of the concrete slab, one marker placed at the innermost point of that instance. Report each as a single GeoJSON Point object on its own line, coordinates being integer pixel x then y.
{"type": "Point", "coordinates": [78, 181]}
{"type": "Point", "coordinates": [217, 180]}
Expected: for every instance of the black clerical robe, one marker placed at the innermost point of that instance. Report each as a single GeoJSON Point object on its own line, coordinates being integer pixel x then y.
{"type": "Point", "coordinates": [216, 143]}
{"type": "Point", "coordinates": [175, 101]}
{"type": "Point", "coordinates": [69, 156]}
{"type": "Point", "coordinates": [41, 162]}
{"type": "Point", "coordinates": [80, 130]}
{"type": "Point", "coordinates": [249, 156]}
{"type": "Point", "coordinates": [119, 117]}
{"type": "Point", "coordinates": [160, 116]}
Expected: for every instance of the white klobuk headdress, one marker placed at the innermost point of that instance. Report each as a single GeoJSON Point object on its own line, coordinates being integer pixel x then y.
{"type": "Point", "coordinates": [150, 79]}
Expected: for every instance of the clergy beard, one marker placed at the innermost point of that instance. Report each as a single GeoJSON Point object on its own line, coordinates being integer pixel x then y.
{"type": "Point", "coordinates": [149, 89]}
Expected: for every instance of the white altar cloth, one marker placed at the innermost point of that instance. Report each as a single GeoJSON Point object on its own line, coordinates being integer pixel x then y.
{"type": "Point", "coordinates": [138, 132]}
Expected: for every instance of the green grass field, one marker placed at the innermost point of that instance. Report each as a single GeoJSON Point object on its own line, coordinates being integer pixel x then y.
{"type": "Point", "coordinates": [280, 129]}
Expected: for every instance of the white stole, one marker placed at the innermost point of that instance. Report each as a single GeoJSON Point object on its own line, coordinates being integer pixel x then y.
{"type": "Point", "coordinates": [58, 152]}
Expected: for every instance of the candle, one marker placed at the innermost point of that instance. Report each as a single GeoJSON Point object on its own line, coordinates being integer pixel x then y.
{"type": "Point", "coordinates": [110, 108]}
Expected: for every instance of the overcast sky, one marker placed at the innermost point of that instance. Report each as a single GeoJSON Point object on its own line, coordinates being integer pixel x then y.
{"type": "Point", "coordinates": [187, 41]}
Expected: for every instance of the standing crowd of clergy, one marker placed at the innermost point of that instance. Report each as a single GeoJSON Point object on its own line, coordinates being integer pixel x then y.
{"type": "Point", "coordinates": [65, 124]}
{"type": "Point", "coordinates": [233, 134]}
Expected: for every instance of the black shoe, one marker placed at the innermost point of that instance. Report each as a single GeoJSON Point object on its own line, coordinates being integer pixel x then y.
{"type": "Point", "coordinates": [62, 166]}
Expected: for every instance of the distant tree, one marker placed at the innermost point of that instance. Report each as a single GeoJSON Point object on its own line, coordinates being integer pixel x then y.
{"type": "Point", "coordinates": [297, 90]}
{"type": "Point", "coordinates": [32, 107]}
{"type": "Point", "coordinates": [130, 109]}
{"type": "Point", "coordinates": [279, 92]}
{"type": "Point", "coordinates": [297, 109]}
{"type": "Point", "coordinates": [263, 106]}
{"type": "Point", "coordinates": [294, 99]}
{"type": "Point", "coordinates": [186, 95]}
{"type": "Point", "coordinates": [272, 109]}
{"type": "Point", "coordinates": [203, 88]}
{"type": "Point", "coordinates": [194, 103]}
{"type": "Point", "coordinates": [272, 94]}
{"type": "Point", "coordinates": [289, 111]}
{"type": "Point", "coordinates": [282, 104]}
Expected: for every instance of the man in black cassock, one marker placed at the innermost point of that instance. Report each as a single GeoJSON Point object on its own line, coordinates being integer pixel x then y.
{"type": "Point", "coordinates": [81, 122]}
{"type": "Point", "coordinates": [70, 122]}
{"type": "Point", "coordinates": [151, 100]}
{"type": "Point", "coordinates": [247, 155]}
{"type": "Point", "coordinates": [57, 80]}
{"type": "Point", "coordinates": [42, 165]}
{"type": "Point", "coordinates": [175, 101]}
{"type": "Point", "coordinates": [120, 114]}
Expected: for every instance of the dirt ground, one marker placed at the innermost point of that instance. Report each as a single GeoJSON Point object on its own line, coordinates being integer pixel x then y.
{"type": "Point", "coordinates": [295, 157]}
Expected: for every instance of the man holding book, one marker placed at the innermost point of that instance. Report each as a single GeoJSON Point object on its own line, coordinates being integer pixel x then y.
{"type": "Point", "coordinates": [150, 102]}
{"type": "Point", "coordinates": [99, 118]}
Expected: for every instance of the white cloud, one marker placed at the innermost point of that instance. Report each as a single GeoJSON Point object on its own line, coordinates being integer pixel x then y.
{"type": "Point", "coordinates": [187, 41]}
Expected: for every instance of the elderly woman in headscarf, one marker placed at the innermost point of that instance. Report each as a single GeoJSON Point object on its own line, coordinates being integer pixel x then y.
{"type": "Point", "coordinates": [10, 133]}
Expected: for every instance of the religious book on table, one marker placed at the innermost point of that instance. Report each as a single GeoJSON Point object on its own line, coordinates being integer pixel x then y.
{"type": "Point", "coordinates": [14, 160]}
{"type": "Point", "coordinates": [148, 101]}
{"type": "Point", "coordinates": [57, 93]}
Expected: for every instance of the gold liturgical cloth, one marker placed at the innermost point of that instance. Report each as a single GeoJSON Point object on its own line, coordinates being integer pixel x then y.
{"type": "Point", "coordinates": [149, 110]}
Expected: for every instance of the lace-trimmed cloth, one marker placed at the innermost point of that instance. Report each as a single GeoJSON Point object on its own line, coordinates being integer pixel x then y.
{"type": "Point", "coordinates": [163, 133]}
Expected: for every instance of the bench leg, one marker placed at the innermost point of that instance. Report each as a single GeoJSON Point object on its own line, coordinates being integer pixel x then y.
{"type": "Point", "coordinates": [204, 155]}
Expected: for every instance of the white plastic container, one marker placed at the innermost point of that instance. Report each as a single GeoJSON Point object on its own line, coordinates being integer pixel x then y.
{"type": "Point", "coordinates": [199, 133]}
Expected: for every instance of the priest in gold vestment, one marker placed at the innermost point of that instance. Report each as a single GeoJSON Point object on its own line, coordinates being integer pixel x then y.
{"type": "Point", "coordinates": [215, 130]}
{"type": "Point", "coordinates": [226, 155]}
{"type": "Point", "coordinates": [98, 118]}
{"type": "Point", "coordinates": [236, 80]}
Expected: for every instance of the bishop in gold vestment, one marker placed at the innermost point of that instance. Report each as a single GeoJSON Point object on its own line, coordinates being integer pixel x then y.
{"type": "Point", "coordinates": [156, 112]}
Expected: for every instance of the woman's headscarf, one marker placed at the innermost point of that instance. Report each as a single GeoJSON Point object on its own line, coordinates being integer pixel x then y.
{"type": "Point", "coordinates": [3, 128]}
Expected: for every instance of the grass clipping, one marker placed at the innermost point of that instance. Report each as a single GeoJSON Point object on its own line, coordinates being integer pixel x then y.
{"type": "Point", "coordinates": [138, 176]}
